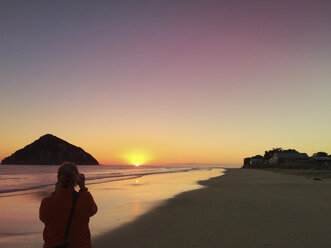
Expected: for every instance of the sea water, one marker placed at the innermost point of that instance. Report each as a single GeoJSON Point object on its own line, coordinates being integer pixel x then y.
{"type": "Point", "coordinates": [122, 194]}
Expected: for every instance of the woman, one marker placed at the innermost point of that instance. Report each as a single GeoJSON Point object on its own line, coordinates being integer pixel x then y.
{"type": "Point", "coordinates": [55, 210]}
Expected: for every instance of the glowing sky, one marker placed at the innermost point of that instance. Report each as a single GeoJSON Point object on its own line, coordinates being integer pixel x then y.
{"type": "Point", "coordinates": [167, 81]}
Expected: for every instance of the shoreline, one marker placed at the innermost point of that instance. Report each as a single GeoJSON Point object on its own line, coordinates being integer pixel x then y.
{"type": "Point", "coordinates": [119, 202]}
{"type": "Point", "coordinates": [242, 208]}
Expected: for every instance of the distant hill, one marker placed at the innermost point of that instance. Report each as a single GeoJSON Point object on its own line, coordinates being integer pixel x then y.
{"type": "Point", "coordinates": [50, 150]}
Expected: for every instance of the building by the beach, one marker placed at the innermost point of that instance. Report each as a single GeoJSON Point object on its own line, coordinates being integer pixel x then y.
{"type": "Point", "coordinates": [321, 160]}
{"type": "Point", "coordinates": [285, 157]}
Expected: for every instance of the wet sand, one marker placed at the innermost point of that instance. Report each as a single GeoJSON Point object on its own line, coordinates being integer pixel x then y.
{"type": "Point", "coordinates": [243, 208]}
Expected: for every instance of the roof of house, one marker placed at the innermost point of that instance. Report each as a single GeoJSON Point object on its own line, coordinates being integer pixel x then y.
{"type": "Point", "coordinates": [291, 155]}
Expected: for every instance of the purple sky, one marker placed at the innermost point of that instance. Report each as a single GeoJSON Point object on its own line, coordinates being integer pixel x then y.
{"type": "Point", "coordinates": [182, 81]}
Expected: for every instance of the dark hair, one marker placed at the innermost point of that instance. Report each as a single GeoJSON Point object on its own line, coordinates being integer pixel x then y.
{"type": "Point", "coordinates": [67, 175]}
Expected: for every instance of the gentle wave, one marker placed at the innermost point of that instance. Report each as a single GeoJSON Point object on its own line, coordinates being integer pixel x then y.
{"type": "Point", "coordinates": [109, 177]}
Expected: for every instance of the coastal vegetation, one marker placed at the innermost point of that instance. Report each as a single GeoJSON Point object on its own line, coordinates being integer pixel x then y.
{"type": "Point", "coordinates": [288, 159]}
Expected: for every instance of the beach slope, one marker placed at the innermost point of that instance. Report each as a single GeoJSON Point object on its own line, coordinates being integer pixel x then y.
{"type": "Point", "coordinates": [244, 208]}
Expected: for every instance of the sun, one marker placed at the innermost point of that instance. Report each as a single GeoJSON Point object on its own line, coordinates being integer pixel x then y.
{"type": "Point", "coordinates": [136, 157]}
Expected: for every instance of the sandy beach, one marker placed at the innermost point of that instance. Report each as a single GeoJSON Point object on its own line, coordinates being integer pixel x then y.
{"type": "Point", "coordinates": [243, 208]}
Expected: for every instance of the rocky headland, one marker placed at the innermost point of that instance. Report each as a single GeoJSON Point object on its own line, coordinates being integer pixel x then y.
{"type": "Point", "coordinates": [50, 150]}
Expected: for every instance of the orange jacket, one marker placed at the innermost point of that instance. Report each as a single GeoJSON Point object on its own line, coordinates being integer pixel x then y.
{"type": "Point", "coordinates": [54, 212]}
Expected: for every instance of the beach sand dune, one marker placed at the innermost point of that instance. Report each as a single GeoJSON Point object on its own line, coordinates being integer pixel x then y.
{"type": "Point", "coordinates": [244, 208]}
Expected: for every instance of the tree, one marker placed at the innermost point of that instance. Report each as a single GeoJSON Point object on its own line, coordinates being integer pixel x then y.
{"type": "Point", "coordinates": [268, 154]}
{"type": "Point", "coordinates": [320, 154]}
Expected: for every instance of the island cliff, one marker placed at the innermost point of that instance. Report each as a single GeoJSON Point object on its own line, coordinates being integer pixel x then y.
{"type": "Point", "coordinates": [50, 150]}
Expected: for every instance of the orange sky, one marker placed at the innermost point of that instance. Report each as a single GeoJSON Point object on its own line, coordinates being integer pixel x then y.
{"type": "Point", "coordinates": [166, 81]}
{"type": "Point", "coordinates": [188, 147]}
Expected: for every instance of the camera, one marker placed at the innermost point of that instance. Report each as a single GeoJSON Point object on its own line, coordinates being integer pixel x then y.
{"type": "Point", "coordinates": [82, 177]}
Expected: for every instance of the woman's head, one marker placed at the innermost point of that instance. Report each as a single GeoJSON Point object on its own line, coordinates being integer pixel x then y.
{"type": "Point", "coordinates": [67, 175]}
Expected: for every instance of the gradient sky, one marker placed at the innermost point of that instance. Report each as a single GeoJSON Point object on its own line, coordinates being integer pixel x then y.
{"type": "Point", "coordinates": [167, 81]}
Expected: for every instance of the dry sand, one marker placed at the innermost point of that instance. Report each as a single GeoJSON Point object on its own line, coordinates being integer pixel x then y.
{"type": "Point", "coordinates": [244, 208]}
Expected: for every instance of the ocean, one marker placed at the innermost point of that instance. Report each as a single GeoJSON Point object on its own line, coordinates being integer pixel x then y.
{"type": "Point", "coordinates": [122, 193]}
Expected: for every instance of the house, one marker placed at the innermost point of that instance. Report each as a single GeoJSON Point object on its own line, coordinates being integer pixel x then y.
{"type": "Point", "coordinates": [284, 157]}
{"type": "Point", "coordinates": [250, 162]}
{"type": "Point", "coordinates": [321, 160]}
{"type": "Point", "coordinates": [256, 161]}
{"type": "Point", "coordinates": [247, 162]}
